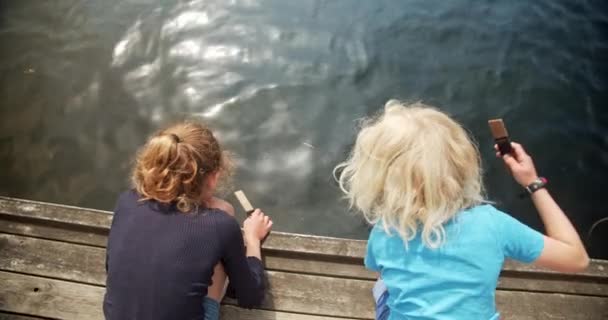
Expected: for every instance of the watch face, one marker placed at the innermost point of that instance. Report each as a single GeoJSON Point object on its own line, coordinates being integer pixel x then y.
{"type": "Point", "coordinates": [537, 185]}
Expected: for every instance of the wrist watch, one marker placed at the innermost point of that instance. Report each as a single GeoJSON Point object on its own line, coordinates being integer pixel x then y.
{"type": "Point", "coordinates": [536, 185]}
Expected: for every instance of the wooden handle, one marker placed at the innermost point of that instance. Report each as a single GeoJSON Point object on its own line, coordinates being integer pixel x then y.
{"type": "Point", "coordinates": [240, 196]}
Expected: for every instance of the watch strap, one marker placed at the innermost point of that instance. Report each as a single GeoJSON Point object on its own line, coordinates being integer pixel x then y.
{"type": "Point", "coordinates": [536, 185]}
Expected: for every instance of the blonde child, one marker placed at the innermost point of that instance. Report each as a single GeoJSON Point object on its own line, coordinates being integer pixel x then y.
{"type": "Point", "coordinates": [172, 243]}
{"type": "Point", "coordinates": [438, 246]}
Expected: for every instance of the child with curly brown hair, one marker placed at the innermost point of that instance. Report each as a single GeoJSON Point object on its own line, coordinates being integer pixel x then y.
{"type": "Point", "coordinates": [172, 244]}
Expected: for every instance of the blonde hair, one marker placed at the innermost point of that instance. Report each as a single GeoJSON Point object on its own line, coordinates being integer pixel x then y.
{"type": "Point", "coordinates": [412, 167]}
{"type": "Point", "coordinates": [172, 166]}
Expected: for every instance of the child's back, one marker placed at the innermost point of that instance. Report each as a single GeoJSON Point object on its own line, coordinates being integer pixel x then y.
{"type": "Point", "coordinates": [457, 280]}
{"type": "Point", "coordinates": [415, 174]}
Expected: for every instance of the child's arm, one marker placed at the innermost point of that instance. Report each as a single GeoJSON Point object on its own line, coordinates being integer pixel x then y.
{"type": "Point", "coordinates": [563, 249]}
{"type": "Point", "coordinates": [243, 265]}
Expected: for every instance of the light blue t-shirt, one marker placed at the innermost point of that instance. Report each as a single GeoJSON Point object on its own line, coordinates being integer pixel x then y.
{"type": "Point", "coordinates": [458, 280]}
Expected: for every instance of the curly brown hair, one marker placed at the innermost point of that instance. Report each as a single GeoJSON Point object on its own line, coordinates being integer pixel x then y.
{"type": "Point", "coordinates": [173, 165]}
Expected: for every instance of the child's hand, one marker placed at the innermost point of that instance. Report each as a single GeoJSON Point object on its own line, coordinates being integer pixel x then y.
{"type": "Point", "coordinates": [257, 226]}
{"type": "Point", "coordinates": [519, 164]}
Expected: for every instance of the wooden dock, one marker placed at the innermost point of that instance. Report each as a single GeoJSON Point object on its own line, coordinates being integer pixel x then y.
{"type": "Point", "coordinates": [52, 267]}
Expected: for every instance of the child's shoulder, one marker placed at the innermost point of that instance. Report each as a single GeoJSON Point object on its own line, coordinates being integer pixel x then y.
{"type": "Point", "coordinates": [481, 216]}
{"type": "Point", "coordinates": [481, 211]}
{"type": "Point", "coordinates": [222, 205]}
{"type": "Point", "coordinates": [484, 216]}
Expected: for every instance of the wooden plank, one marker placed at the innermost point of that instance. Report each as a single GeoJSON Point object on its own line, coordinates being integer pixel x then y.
{"type": "Point", "coordinates": [56, 213]}
{"type": "Point", "coordinates": [526, 281]}
{"type": "Point", "coordinates": [515, 305]}
{"type": "Point", "coordinates": [276, 260]}
{"type": "Point", "coordinates": [597, 268]}
{"type": "Point", "coordinates": [277, 241]}
{"type": "Point", "coordinates": [46, 230]}
{"type": "Point", "coordinates": [102, 220]}
{"type": "Point", "coordinates": [85, 264]}
{"type": "Point", "coordinates": [316, 245]}
{"type": "Point", "coordinates": [288, 291]}
{"type": "Point", "coordinates": [52, 259]}
{"type": "Point", "coordinates": [231, 312]}
{"type": "Point", "coordinates": [20, 287]}
{"type": "Point", "coordinates": [68, 300]}
{"type": "Point", "coordinates": [12, 316]}
{"type": "Point", "coordinates": [326, 266]}
{"type": "Point", "coordinates": [318, 295]}
{"type": "Point", "coordinates": [226, 312]}
{"type": "Point", "coordinates": [558, 284]}
{"type": "Point", "coordinates": [50, 298]}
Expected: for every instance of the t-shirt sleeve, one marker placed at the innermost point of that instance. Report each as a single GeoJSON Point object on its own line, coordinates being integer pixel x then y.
{"type": "Point", "coordinates": [518, 241]}
{"type": "Point", "coordinates": [370, 260]}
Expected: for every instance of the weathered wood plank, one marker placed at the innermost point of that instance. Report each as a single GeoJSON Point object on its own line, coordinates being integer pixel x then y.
{"type": "Point", "coordinates": [509, 280]}
{"type": "Point", "coordinates": [68, 300]}
{"type": "Point", "coordinates": [540, 306]}
{"type": "Point", "coordinates": [557, 284]}
{"type": "Point", "coordinates": [319, 295]}
{"type": "Point", "coordinates": [597, 268]}
{"type": "Point", "coordinates": [49, 298]}
{"type": "Point", "coordinates": [289, 292]}
{"type": "Point", "coordinates": [315, 295]}
{"type": "Point", "coordinates": [316, 245]}
{"type": "Point", "coordinates": [85, 264]}
{"type": "Point", "coordinates": [52, 259]}
{"type": "Point", "coordinates": [29, 294]}
{"type": "Point", "coordinates": [278, 241]}
{"type": "Point", "coordinates": [102, 220]}
{"type": "Point", "coordinates": [56, 213]}
{"type": "Point", "coordinates": [231, 312]}
{"type": "Point", "coordinates": [322, 265]}
{"type": "Point", "coordinates": [44, 229]}
{"type": "Point", "coordinates": [12, 316]}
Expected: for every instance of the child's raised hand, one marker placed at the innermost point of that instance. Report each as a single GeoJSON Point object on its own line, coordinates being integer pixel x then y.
{"type": "Point", "coordinates": [520, 164]}
{"type": "Point", "coordinates": [257, 226]}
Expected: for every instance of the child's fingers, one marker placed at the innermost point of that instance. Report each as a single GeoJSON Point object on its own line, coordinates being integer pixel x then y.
{"type": "Point", "coordinates": [519, 151]}
{"type": "Point", "coordinates": [510, 161]}
{"type": "Point", "coordinates": [256, 213]}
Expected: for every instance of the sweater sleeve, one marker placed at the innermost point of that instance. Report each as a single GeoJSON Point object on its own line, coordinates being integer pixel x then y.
{"type": "Point", "coordinates": [114, 222]}
{"type": "Point", "coordinates": [246, 274]}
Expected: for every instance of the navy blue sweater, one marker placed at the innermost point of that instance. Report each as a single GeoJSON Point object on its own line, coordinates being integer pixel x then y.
{"type": "Point", "coordinates": [160, 261]}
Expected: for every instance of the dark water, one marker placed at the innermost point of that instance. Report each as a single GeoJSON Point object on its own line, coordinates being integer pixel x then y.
{"type": "Point", "coordinates": [82, 83]}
